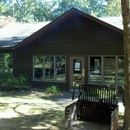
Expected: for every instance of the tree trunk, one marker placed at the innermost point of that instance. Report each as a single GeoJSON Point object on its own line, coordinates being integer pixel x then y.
{"type": "Point", "coordinates": [126, 24]}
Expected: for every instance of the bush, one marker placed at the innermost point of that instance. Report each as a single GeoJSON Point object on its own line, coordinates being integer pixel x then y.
{"type": "Point", "coordinates": [9, 82]}
{"type": "Point", "coordinates": [53, 90]}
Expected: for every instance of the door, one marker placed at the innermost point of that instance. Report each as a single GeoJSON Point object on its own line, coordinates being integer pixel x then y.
{"type": "Point", "coordinates": [77, 71]}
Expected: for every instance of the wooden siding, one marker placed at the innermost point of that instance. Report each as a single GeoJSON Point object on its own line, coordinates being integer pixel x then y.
{"type": "Point", "coordinates": [75, 36]}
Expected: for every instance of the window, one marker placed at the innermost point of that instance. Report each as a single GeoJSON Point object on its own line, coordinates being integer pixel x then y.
{"type": "Point", "coordinates": [6, 63]}
{"type": "Point", "coordinates": [49, 68]}
{"type": "Point", "coordinates": [106, 70]}
{"type": "Point", "coordinates": [95, 70]}
{"type": "Point", "coordinates": [38, 67]}
{"type": "Point", "coordinates": [109, 70]}
{"type": "Point", "coordinates": [121, 72]}
{"type": "Point", "coordinates": [60, 68]}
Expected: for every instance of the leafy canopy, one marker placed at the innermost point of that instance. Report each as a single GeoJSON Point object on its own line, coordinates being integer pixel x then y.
{"type": "Point", "coordinates": [48, 10]}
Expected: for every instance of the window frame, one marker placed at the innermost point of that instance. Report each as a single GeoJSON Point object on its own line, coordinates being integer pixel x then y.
{"type": "Point", "coordinates": [102, 68]}
{"type": "Point", "coordinates": [34, 68]}
{"type": "Point", "coordinates": [3, 64]}
{"type": "Point", "coordinates": [44, 80]}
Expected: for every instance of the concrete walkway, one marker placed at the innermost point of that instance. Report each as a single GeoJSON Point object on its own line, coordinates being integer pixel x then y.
{"type": "Point", "coordinates": [66, 98]}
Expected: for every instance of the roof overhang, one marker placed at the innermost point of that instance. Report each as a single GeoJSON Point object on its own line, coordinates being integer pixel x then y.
{"type": "Point", "coordinates": [59, 20]}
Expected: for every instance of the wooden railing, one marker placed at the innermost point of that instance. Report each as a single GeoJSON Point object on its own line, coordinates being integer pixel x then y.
{"type": "Point", "coordinates": [96, 104]}
{"type": "Point", "coordinates": [71, 115]}
{"type": "Point", "coordinates": [96, 101]}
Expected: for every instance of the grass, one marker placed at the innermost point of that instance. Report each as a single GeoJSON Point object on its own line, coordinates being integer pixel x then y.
{"type": "Point", "coordinates": [19, 116]}
{"type": "Point", "coordinates": [33, 110]}
{"type": "Point", "coordinates": [54, 89]}
{"type": "Point", "coordinates": [28, 111]}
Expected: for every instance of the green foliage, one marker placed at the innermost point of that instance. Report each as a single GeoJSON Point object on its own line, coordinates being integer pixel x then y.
{"type": "Point", "coordinates": [53, 90]}
{"type": "Point", "coordinates": [113, 8]}
{"type": "Point", "coordinates": [40, 10]}
{"type": "Point", "coordinates": [9, 82]}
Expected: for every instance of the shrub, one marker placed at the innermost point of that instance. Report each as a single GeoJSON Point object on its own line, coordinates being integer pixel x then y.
{"type": "Point", "coordinates": [53, 90]}
{"type": "Point", "coordinates": [9, 82]}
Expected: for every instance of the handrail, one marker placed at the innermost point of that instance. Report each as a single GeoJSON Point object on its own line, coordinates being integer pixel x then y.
{"type": "Point", "coordinates": [73, 94]}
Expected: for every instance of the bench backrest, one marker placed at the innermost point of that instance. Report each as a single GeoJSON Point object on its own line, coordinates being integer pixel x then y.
{"type": "Point", "coordinates": [98, 93]}
{"type": "Point", "coordinates": [96, 101]}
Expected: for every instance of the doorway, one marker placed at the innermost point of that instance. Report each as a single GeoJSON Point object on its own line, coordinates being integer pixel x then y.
{"type": "Point", "coordinates": [77, 71]}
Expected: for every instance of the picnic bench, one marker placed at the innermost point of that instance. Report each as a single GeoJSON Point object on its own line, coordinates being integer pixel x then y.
{"type": "Point", "coordinates": [96, 104]}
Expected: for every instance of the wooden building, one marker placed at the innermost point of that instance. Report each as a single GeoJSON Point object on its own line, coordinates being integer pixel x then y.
{"type": "Point", "coordinates": [74, 47]}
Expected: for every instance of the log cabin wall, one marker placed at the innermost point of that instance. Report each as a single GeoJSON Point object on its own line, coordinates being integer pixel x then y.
{"type": "Point", "coordinates": [75, 36]}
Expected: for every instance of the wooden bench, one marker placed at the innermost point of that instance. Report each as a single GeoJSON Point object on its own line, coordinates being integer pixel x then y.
{"type": "Point", "coordinates": [96, 104]}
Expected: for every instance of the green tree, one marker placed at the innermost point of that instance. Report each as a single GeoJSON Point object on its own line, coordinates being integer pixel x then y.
{"type": "Point", "coordinates": [92, 7]}
{"type": "Point", "coordinates": [95, 8]}
{"type": "Point", "coordinates": [113, 8]}
{"type": "Point", "coordinates": [2, 8]}
{"type": "Point", "coordinates": [29, 10]}
{"type": "Point", "coordinates": [40, 10]}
